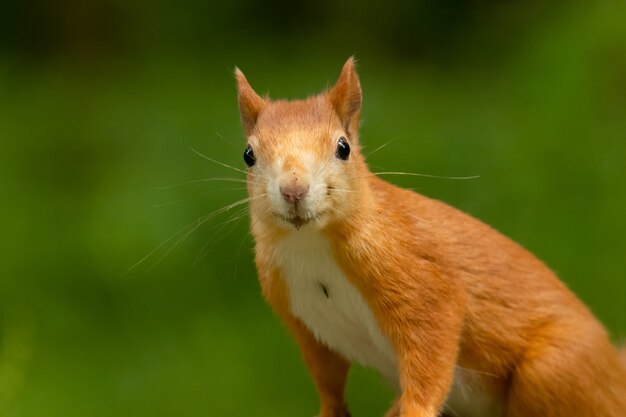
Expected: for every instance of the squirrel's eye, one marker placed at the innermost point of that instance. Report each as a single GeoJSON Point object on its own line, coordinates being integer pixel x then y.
{"type": "Point", "coordinates": [248, 156]}
{"type": "Point", "coordinates": [343, 149]}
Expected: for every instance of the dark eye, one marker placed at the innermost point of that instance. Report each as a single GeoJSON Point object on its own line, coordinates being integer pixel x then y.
{"type": "Point", "coordinates": [343, 149]}
{"type": "Point", "coordinates": [248, 156]}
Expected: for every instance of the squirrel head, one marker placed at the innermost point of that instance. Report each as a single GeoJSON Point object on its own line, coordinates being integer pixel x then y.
{"type": "Point", "coordinates": [304, 162]}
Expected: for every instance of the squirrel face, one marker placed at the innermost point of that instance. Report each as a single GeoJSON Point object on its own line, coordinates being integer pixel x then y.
{"type": "Point", "coordinates": [303, 156]}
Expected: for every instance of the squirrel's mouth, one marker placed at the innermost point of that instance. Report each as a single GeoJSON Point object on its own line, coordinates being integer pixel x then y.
{"type": "Point", "coordinates": [297, 220]}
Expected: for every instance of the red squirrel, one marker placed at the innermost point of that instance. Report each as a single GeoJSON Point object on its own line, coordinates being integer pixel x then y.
{"type": "Point", "coordinates": [457, 318]}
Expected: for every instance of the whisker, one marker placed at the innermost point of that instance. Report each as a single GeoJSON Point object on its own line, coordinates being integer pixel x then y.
{"type": "Point", "coordinates": [203, 251]}
{"type": "Point", "coordinates": [193, 225]}
{"type": "Point", "coordinates": [417, 218]}
{"type": "Point", "coordinates": [334, 210]}
{"type": "Point", "coordinates": [342, 190]}
{"type": "Point", "coordinates": [235, 263]}
{"type": "Point", "coordinates": [233, 189]}
{"type": "Point", "coordinates": [413, 174]}
{"type": "Point", "coordinates": [200, 181]}
{"type": "Point", "coordinates": [157, 248]}
{"type": "Point", "coordinates": [383, 145]}
{"type": "Point", "coordinates": [169, 203]}
{"type": "Point", "coordinates": [200, 222]}
{"type": "Point", "coordinates": [222, 137]}
{"type": "Point", "coordinates": [237, 257]}
{"type": "Point", "coordinates": [217, 162]}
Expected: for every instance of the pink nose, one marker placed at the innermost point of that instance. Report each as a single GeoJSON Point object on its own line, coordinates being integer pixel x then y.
{"type": "Point", "coordinates": [293, 193]}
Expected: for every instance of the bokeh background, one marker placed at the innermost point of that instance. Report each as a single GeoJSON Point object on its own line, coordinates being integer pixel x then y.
{"type": "Point", "coordinates": [103, 102]}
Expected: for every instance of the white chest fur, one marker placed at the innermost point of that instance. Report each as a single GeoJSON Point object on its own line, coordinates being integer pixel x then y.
{"type": "Point", "coordinates": [330, 306]}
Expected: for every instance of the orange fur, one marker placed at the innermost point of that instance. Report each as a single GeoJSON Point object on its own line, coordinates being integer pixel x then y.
{"type": "Point", "coordinates": [448, 291]}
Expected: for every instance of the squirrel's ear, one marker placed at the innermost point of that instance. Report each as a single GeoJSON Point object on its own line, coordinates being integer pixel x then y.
{"type": "Point", "coordinates": [250, 103]}
{"type": "Point", "coordinates": [346, 97]}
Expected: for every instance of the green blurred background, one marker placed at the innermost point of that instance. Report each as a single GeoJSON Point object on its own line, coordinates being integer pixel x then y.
{"type": "Point", "coordinates": [101, 102]}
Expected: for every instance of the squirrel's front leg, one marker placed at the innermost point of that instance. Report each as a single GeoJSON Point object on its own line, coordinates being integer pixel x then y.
{"type": "Point", "coordinates": [329, 369]}
{"type": "Point", "coordinates": [424, 323]}
{"type": "Point", "coordinates": [426, 362]}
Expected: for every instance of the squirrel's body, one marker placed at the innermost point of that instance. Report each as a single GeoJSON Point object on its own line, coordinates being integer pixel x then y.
{"type": "Point", "coordinates": [333, 309]}
{"type": "Point", "coordinates": [455, 316]}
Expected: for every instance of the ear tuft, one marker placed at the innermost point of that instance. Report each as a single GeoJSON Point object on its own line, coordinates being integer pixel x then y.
{"type": "Point", "coordinates": [346, 97]}
{"type": "Point", "coordinates": [250, 103]}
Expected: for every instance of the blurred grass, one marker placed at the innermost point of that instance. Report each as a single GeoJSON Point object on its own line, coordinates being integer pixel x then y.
{"type": "Point", "coordinates": [86, 148]}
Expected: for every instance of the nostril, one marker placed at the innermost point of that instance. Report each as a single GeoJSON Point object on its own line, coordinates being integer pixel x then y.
{"type": "Point", "coordinates": [294, 192]}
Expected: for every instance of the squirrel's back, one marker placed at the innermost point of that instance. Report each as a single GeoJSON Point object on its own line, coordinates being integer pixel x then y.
{"type": "Point", "coordinates": [511, 295]}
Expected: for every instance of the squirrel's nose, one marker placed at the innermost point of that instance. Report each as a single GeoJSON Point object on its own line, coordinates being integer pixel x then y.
{"type": "Point", "coordinates": [294, 192]}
